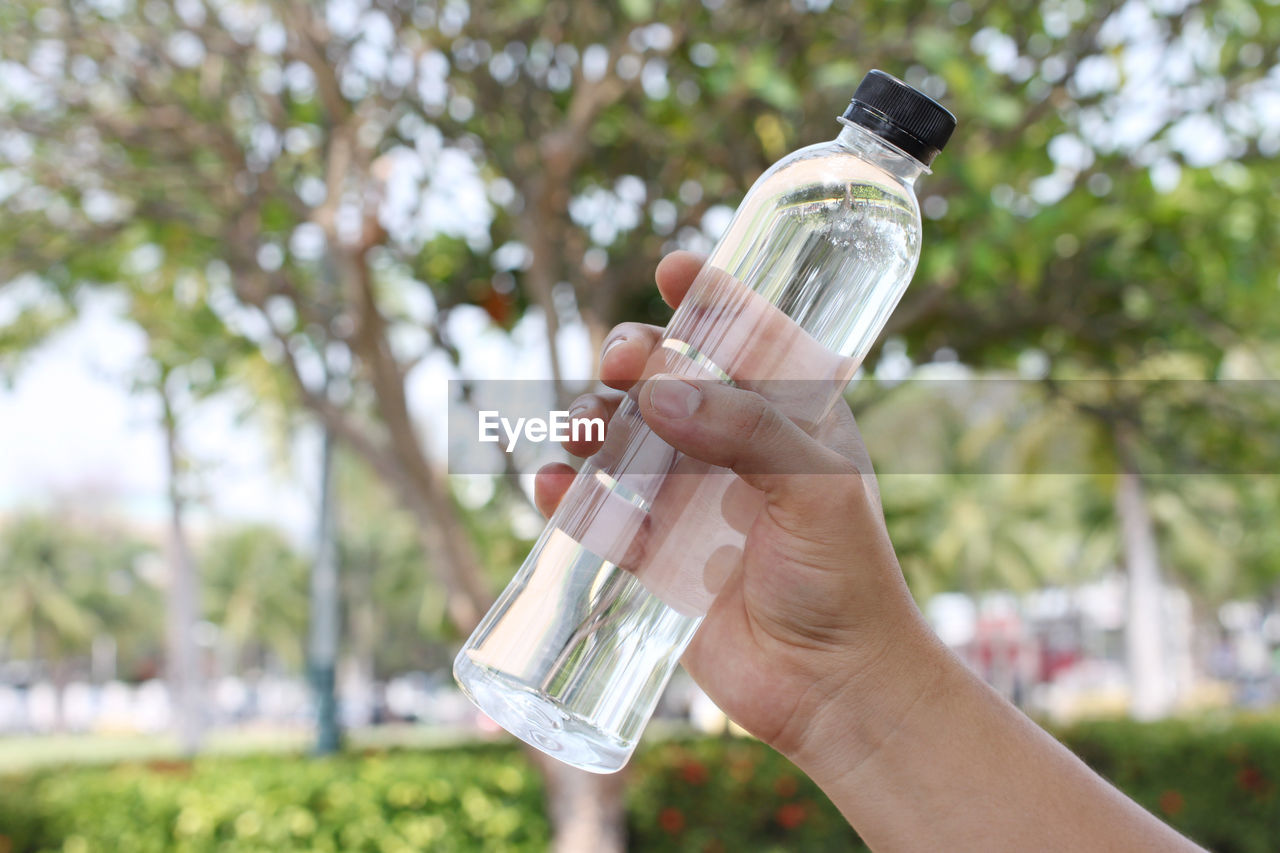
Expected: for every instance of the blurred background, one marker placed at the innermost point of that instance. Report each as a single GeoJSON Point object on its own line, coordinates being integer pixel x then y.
{"type": "Point", "coordinates": [244, 246]}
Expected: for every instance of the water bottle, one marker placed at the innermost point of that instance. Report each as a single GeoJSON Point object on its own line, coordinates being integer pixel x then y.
{"type": "Point", "coordinates": [575, 654]}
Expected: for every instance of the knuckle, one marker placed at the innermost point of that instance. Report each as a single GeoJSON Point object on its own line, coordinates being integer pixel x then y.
{"type": "Point", "coordinates": [849, 485]}
{"type": "Point", "coordinates": [841, 466]}
{"type": "Point", "coordinates": [761, 423]}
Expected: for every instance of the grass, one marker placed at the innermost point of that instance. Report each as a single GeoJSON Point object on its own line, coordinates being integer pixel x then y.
{"type": "Point", "coordinates": [24, 753]}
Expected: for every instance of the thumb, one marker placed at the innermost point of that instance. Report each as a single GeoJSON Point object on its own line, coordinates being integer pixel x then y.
{"type": "Point", "coordinates": [740, 430]}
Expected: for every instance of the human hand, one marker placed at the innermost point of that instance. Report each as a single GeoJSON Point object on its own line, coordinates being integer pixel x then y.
{"type": "Point", "coordinates": [814, 644]}
{"type": "Point", "coordinates": [816, 615]}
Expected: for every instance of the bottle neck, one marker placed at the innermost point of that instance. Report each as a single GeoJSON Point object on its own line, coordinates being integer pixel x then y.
{"type": "Point", "coordinates": [887, 156]}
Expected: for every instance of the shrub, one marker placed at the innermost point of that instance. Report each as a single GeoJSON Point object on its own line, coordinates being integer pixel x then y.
{"type": "Point", "coordinates": [461, 799]}
{"type": "Point", "coordinates": [728, 795]}
{"type": "Point", "coordinates": [1215, 780]}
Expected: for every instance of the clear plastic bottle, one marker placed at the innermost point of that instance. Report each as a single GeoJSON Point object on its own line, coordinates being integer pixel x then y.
{"type": "Point", "coordinates": [575, 654]}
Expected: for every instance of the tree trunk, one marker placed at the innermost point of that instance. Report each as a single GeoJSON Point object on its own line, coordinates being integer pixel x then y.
{"type": "Point", "coordinates": [423, 489]}
{"type": "Point", "coordinates": [102, 658]}
{"type": "Point", "coordinates": [60, 677]}
{"type": "Point", "coordinates": [55, 671]}
{"type": "Point", "coordinates": [586, 809]}
{"type": "Point", "coordinates": [359, 672]}
{"type": "Point", "coordinates": [183, 659]}
{"type": "Point", "coordinates": [1150, 674]}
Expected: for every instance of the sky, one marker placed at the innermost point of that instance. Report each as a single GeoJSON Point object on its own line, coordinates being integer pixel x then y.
{"type": "Point", "coordinates": [72, 430]}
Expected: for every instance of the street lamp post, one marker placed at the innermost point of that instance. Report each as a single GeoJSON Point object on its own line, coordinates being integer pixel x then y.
{"type": "Point", "coordinates": [322, 642]}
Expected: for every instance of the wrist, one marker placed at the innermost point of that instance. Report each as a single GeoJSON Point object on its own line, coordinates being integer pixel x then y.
{"type": "Point", "coordinates": [869, 699]}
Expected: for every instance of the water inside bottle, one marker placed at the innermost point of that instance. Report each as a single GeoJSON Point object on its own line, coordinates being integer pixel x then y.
{"type": "Point", "coordinates": [594, 649]}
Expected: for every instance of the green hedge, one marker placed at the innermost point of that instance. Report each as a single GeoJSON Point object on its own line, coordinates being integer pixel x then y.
{"type": "Point", "coordinates": [1217, 783]}
{"type": "Point", "coordinates": [469, 798]}
{"type": "Point", "coordinates": [1215, 780]}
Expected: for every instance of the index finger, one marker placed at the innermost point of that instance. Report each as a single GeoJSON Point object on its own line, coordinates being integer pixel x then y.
{"type": "Point", "coordinates": [675, 274]}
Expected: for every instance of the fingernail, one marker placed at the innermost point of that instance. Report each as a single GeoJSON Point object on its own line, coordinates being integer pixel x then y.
{"type": "Point", "coordinates": [612, 345]}
{"type": "Point", "coordinates": [577, 410]}
{"type": "Point", "coordinates": [674, 398]}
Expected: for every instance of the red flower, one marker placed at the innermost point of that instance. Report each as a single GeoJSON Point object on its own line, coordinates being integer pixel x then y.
{"type": "Point", "coordinates": [791, 815]}
{"type": "Point", "coordinates": [1171, 803]}
{"type": "Point", "coordinates": [671, 820]}
{"type": "Point", "coordinates": [1251, 779]}
{"type": "Point", "coordinates": [499, 306]}
{"type": "Point", "coordinates": [694, 772]}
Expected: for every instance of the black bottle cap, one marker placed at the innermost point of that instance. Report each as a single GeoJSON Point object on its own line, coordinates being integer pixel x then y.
{"type": "Point", "coordinates": [901, 115]}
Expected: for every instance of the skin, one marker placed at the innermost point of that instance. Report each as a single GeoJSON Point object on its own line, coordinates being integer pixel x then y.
{"type": "Point", "coordinates": [815, 645]}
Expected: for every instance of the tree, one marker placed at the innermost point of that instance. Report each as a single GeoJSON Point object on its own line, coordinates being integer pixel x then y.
{"type": "Point", "coordinates": [268, 149]}
{"type": "Point", "coordinates": [255, 591]}
{"type": "Point", "coordinates": [186, 359]}
{"type": "Point", "coordinates": [393, 607]}
{"type": "Point", "coordinates": [1012, 484]}
{"type": "Point", "coordinates": [64, 585]}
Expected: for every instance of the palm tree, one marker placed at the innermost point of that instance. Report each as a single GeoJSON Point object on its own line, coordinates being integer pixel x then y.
{"type": "Point", "coordinates": [255, 585]}
{"type": "Point", "coordinates": [964, 509]}
{"type": "Point", "coordinates": [1091, 507]}
{"type": "Point", "coordinates": [41, 617]}
{"type": "Point", "coordinates": [395, 616]}
{"type": "Point", "coordinates": [63, 586]}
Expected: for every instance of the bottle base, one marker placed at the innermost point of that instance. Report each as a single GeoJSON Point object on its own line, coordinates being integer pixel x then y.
{"type": "Point", "coordinates": [540, 721]}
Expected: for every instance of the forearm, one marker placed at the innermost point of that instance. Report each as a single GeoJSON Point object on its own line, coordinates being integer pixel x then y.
{"type": "Point", "coordinates": [940, 761]}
